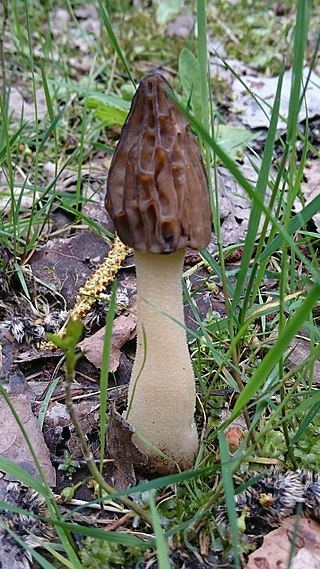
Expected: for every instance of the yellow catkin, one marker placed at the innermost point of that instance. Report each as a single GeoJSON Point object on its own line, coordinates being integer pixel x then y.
{"type": "Point", "coordinates": [99, 280]}
{"type": "Point", "coordinates": [96, 284]}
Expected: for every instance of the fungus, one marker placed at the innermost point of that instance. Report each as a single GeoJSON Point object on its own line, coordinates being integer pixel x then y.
{"type": "Point", "coordinates": [157, 195]}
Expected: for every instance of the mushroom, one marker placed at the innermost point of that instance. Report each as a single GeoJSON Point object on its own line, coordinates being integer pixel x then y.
{"type": "Point", "coordinates": [157, 195]}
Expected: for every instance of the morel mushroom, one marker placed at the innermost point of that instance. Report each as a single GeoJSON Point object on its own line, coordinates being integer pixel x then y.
{"type": "Point", "coordinates": [157, 195]}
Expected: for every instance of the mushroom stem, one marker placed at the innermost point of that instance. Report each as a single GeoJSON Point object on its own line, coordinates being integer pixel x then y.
{"type": "Point", "coordinates": [161, 402]}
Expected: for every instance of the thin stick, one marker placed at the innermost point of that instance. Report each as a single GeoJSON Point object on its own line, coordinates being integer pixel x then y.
{"type": "Point", "coordinates": [88, 456]}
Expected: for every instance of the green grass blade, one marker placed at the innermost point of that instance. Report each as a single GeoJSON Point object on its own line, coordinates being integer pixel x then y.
{"type": "Point", "coordinates": [162, 548]}
{"type": "Point", "coordinates": [299, 47]}
{"type": "Point", "coordinates": [297, 222]}
{"type": "Point", "coordinates": [261, 186]}
{"type": "Point", "coordinates": [104, 375]}
{"type": "Point", "coordinates": [312, 413]}
{"type": "Point", "coordinates": [114, 41]}
{"type": "Point", "coordinates": [203, 60]}
{"type": "Point", "coordinates": [19, 473]}
{"type": "Point", "coordinates": [261, 373]}
{"type": "Point", "coordinates": [229, 492]}
{"type": "Point", "coordinates": [112, 537]}
{"type": "Point", "coordinates": [45, 403]}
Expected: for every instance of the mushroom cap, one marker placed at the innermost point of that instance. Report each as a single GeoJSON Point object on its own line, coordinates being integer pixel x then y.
{"type": "Point", "coordinates": [157, 188]}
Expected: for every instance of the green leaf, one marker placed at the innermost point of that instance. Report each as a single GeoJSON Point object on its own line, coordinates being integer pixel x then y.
{"type": "Point", "coordinates": [231, 139]}
{"type": "Point", "coordinates": [110, 116]}
{"type": "Point", "coordinates": [189, 72]}
{"type": "Point", "coordinates": [109, 109]}
{"type": "Point", "coordinates": [111, 100]}
{"type": "Point", "coordinates": [167, 9]}
{"type": "Point", "coordinates": [72, 336]}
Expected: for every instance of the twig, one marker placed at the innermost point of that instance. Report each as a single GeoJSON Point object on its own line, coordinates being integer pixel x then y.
{"type": "Point", "coordinates": [130, 504]}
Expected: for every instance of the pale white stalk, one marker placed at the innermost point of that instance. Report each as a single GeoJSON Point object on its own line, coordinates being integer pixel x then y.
{"type": "Point", "coordinates": [162, 387]}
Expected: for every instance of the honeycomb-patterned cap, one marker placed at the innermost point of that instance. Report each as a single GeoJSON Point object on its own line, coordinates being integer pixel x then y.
{"type": "Point", "coordinates": [157, 189]}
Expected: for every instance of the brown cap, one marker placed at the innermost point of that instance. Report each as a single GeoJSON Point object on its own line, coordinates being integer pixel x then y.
{"type": "Point", "coordinates": [157, 190]}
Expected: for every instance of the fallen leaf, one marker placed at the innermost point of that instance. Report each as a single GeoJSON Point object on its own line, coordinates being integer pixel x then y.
{"type": "Point", "coordinates": [234, 438]}
{"type": "Point", "coordinates": [299, 352]}
{"type": "Point", "coordinates": [65, 264]}
{"type": "Point", "coordinates": [257, 114]}
{"type": "Point", "coordinates": [25, 197]}
{"type": "Point", "coordinates": [60, 21]}
{"type": "Point", "coordinates": [180, 27]}
{"type": "Point", "coordinates": [123, 452]}
{"type": "Point", "coordinates": [93, 175]}
{"type": "Point", "coordinates": [311, 188]}
{"type": "Point", "coordinates": [13, 445]}
{"type": "Point", "coordinates": [88, 417]}
{"type": "Point", "coordinates": [297, 540]}
{"type": "Point", "coordinates": [235, 206]}
{"type": "Point", "coordinates": [20, 107]}
{"type": "Point", "coordinates": [88, 18]}
{"type": "Point", "coordinates": [59, 430]}
{"type": "Point", "coordinates": [124, 329]}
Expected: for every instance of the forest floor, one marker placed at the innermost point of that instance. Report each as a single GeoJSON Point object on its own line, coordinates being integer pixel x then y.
{"type": "Point", "coordinates": [65, 96]}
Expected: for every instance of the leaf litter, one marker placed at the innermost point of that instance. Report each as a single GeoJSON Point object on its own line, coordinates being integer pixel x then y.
{"type": "Point", "coordinates": [63, 264]}
{"type": "Point", "coordinates": [296, 541]}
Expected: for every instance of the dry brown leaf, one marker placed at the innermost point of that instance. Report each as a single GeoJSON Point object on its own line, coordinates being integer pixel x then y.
{"type": "Point", "coordinates": [123, 452]}
{"type": "Point", "coordinates": [234, 438]}
{"type": "Point", "coordinates": [65, 264]}
{"type": "Point", "coordinates": [59, 430]}
{"type": "Point", "coordinates": [88, 416]}
{"type": "Point", "coordinates": [124, 329]}
{"type": "Point", "coordinates": [299, 351]}
{"type": "Point", "coordinates": [297, 541]}
{"type": "Point", "coordinates": [14, 447]}
{"type": "Point", "coordinates": [235, 206]}
{"type": "Point", "coordinates": [257, 114]}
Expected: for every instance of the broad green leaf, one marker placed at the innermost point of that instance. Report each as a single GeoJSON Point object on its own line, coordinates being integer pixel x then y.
{"type": "Point", "coordinates": [189, 72]}
{"type": "Point", "coordinates": [109, 109]}
{"type": "Point", "coordinates": [110, 100]}
{"type": "Point", "coordinates": [110, 116]}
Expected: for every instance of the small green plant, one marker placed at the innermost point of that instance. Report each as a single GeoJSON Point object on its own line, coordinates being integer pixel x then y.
{"type": "Point", "coordinates": [69, 465]}
{"type": "Point", "coordinates": [99, 554]}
